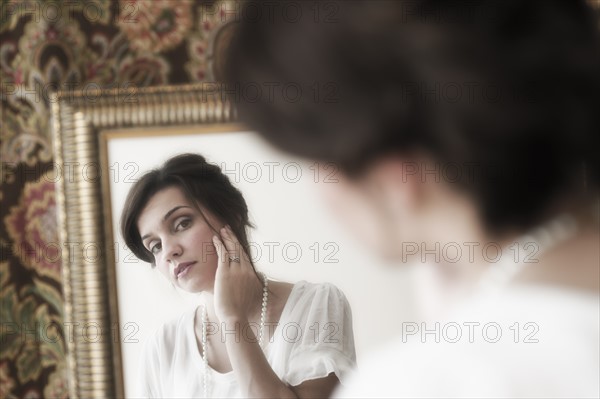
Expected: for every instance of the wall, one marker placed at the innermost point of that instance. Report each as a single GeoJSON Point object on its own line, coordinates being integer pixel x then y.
{"type": "Point", "coordinates": [47, 45]}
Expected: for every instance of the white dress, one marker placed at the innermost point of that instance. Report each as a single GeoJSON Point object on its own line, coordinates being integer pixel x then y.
{"type": "Point", "coordinates": [531, 341]}
{"type": "Point", "coordinates": [312, 339]}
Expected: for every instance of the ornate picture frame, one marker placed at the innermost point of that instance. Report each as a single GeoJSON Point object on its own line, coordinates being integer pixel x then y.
{"type": "Point", "coordinates": [82, 121]}
{"type": "Point", "coordinates": [298, 237]}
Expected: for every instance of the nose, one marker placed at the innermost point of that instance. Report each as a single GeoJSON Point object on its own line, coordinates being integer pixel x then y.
{"type": "Point", "coordinates": [172, 250]}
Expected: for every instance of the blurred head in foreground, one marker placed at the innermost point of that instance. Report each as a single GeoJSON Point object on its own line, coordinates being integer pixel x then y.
{"type": "Point", "coordinates": [448, 121]}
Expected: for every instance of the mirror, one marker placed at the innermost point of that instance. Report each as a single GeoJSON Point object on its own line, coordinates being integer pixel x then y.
{"type": "Point", "coordinates": [104, 141]}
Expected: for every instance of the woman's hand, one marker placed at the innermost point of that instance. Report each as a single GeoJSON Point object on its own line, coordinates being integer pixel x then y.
{"type": "Point", "coordinates": [237, 290]}
{"type": "Point", "coordinates": [238, 293]}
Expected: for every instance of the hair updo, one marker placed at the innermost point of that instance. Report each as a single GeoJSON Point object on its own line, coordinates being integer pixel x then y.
{"type": "Point", "coordinates": [381, 77]}
{"type": "Point", "coordinates": [202, 183]}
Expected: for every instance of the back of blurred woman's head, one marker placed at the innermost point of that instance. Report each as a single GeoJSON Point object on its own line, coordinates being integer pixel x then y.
{"type": "Point", "coordinates": [504, 93]}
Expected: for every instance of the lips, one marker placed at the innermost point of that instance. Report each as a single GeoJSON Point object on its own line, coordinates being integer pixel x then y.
{"type": "Point", "coordinates": [182, 269]}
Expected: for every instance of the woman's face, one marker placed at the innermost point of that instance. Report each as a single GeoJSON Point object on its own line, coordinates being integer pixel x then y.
{"type": "Point", "coordinates": [180, 239]}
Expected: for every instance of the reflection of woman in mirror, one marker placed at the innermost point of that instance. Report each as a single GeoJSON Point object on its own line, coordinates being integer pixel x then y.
{"type": "Point", "coordinates": [511, 166]}
{"type": "Point", "coordinates": [190, 222]}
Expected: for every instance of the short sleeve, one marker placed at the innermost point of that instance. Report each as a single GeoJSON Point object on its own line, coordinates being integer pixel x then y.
{"type": "Point", "coordinates": [324, 338]}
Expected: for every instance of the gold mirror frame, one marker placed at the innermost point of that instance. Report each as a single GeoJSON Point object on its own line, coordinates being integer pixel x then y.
{"type": "Point", "coordinates": [81, 122]}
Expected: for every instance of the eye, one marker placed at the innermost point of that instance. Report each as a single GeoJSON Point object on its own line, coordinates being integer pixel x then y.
{"type": "Point", "coordinates": [182, 224]}
{"type": "Point", "coordinates": [155, 248]}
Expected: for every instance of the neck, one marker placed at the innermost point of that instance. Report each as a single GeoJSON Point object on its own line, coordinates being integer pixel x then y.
{"type": "Point", "coordinates": [572, 263]}
{"type": "Point", "coordinates": [568, 263]}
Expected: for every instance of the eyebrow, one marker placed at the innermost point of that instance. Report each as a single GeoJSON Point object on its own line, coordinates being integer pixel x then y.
{"type": "Point", "coordinates": [166, 217]}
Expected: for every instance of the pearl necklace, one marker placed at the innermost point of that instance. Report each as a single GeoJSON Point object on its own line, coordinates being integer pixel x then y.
{"type": "Point", "coordinates": [263, 316]}
{"type": "Point", "coordinates": [542, 238]}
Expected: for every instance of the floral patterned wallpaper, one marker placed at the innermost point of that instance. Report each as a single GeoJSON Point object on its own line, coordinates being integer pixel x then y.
{"type": "Point", "coordinates": [69, 44]}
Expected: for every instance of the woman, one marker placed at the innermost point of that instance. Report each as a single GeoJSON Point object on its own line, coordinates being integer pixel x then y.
{"type": "Point", "coordinates": [463, 126]}
{"type": "Point", "coordinates": [190, 222]}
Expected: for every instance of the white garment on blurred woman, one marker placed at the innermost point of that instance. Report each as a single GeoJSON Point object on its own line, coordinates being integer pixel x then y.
{"type": "Point", "coordinates": [553, 351]}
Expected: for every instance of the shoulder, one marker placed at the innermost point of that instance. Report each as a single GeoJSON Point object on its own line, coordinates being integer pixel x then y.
{"type": "Point", "coordinates": [512, 345]}
{"type": "Point", "coordinates": [323, 302]}
{"type": "Point", "coordinates": [318, 333]}
{"type": "Point", "coordinates": [160, 352]}
{"type": "Point", "coordinates": [429, 368]}
{"type": "Point", "coordinates": [317, 292]}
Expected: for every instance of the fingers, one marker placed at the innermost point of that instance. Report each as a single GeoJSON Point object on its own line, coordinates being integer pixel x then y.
{"type": "Point", "coordinates": [221, 251]}
{"type": "Point", "coordinates": [230, 241]}
{"type": "Point", "coordinates": [233, 246]}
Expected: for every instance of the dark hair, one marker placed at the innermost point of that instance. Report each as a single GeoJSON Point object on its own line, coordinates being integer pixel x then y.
{"type": "Point", "coordinates": [202, 183]}
{"type": "Point", "coordinates": [373, 76]}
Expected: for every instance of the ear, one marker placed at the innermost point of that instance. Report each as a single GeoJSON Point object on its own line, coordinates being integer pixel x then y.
{"type": "Point", "coordinates": [379, 205]}
{"type": "Point", "coordinates": [396, 183]}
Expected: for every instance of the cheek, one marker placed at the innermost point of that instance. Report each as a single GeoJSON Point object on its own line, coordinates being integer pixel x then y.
{"type": "Point", "coordinates": [201, 233]}
{"type": "Point", "coordinates": [163, 269]}
{"type": "Point", "coordinates": [201, 243]}
{"type": "Point", "coordinates": [210, 259]}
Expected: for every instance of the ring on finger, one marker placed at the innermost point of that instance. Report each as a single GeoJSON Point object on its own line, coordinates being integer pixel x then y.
{"type": "Point", "coordinates": [234, 259]}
